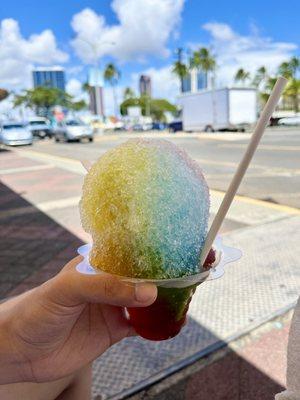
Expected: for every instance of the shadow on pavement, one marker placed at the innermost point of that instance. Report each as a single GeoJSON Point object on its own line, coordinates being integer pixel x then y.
{"type": "Point", "coordinates": [230, 378]}
{"type": "Point", "coordinates": [33, 247]}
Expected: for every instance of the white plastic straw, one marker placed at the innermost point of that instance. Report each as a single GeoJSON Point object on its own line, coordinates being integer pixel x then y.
{"type": "Point", "coordinates": [86, 165]}
{"type": "Point", "coordinates": [244, 164]}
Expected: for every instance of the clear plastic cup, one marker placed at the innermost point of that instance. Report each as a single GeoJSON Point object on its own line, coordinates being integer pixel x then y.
{"type": "Point", "coordinates": [167, 315]}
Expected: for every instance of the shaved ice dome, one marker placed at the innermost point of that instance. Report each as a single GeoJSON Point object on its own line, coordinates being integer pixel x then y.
{"type": "Point", "coordinates": [146, 205]}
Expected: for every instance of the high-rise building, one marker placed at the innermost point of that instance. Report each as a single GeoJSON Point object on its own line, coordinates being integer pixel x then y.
{"type": "Point", "coordinates": [52, 77]}
{"type": "Point", "coordinates": [96, 100]}
{"type": "Point", "coordinates": [145, 85]}
{"type": "Point", "coordinates": [201, 80]}
{"type": "Point", "coordinates": [187, 84]}
{"type": "Point", "coordinates": [95, 81]}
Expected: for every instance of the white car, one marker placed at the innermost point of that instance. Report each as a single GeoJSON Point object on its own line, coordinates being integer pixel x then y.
{"type": "Point", "coordinates": [15, 134]}
{"type": "Point", "coordinates": [40, 127]}
{"type": "Point", "coordinates": [289, 121]}
{"type": "Point", "coordinates": [73, 130]}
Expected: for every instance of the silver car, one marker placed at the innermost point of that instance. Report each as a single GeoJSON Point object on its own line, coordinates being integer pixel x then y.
{"type": "Point", "coordinates": [15, 134]}
{"type": "Point", "coordinates": [73, 130]}
{"type": "Point", "coordinates": [40, 127]}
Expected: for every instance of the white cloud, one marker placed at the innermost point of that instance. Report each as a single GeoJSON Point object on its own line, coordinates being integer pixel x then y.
{"type": "Point", "coordinates": [143, 29]}
{"type": "Point", "coordinates": [75, 69]}
{"type": "Point", "coordinates": [249, 51]}
{"type": "Point", "coordinates": [18, 54]}
{"type": "Point", "coordinates": [108, 99]}
{"type": "Point", "coordinates": [219, 31]}
{"type": "Point", "coordinates": [74, 87]}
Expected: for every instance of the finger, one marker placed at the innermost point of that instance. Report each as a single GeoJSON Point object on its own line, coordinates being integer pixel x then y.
{"type": "Point", "coordinates": [71, 287]}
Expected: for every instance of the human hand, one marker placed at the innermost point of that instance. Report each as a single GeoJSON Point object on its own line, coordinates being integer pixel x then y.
{"type": "Point", "coordinates": [62, 325]}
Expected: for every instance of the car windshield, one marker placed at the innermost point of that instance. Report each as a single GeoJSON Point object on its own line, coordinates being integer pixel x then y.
{"type": "Point", "coordinates": [37, 123]}
{"type": "Point", "coordinates": [13, 126]}
{"type": "Point", "coordinates": [74, 122]}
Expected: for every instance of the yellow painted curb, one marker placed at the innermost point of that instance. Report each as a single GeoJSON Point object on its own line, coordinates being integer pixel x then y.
{"type": "Point", "coordinates": [261, 203]}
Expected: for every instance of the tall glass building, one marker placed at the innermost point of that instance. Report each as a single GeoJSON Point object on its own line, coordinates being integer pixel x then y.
{"type": "Point", "coordinates": [187, 84]}
{"type": "Point", "coordinates": [53, 77]}
{"type": "Point", "coordinates": [201, 80]}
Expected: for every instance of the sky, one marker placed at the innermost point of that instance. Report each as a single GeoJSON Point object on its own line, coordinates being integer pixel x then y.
{"type": "Point", "coordinates": [141, 36]}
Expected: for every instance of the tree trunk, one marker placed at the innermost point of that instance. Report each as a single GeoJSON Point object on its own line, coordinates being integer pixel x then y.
{"type": "Point", "coordinates": [296, 103]}
{"type": "Point", "coordinates": [115, 101]}
{"type": "Point", "coordinates": [181, 84]}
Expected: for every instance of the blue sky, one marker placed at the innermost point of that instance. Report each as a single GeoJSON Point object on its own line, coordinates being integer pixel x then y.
{"type": "Point", "coordinates": [145, 33]}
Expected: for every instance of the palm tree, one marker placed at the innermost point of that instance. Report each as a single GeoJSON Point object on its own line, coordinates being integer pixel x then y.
{"type": "Point", "coordinates": [86, 87]}
{"type": "Point", "coordinates": [285, 70]}
{"type": "Point", "coordinates": [289, 68]}
{"type": "Point", "coordinates": [260, 76]}
{"type": "Point", "coordinates": [112, 76]}
{"type": "Point", "coordinates": [128, 93]}
{"type": "Point", "coordinates": [180, 69]}
{"type": "Point", "coordinates": [295, 65]}
{"type": "Point", "coordinates": [241, 76]}
{"type": "Point", "coordinates": [270, 83]}
{"type": "Point", "coordinates": [204, 60]}
{"type": "Point", "coordinates": [292, 92]}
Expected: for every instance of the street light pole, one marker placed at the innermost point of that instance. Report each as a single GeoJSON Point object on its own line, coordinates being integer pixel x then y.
{"type": "Point", "coordinates": [99, 109]}
{"type": "Point", "coordinates": [96, 63]}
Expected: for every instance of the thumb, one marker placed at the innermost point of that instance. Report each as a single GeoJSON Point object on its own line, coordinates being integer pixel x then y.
{"type": "Point", "coordinates": [70, 288]}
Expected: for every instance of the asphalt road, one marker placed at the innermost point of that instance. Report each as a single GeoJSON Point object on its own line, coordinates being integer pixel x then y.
{"type": "Point", "coordinates": [274, 174]}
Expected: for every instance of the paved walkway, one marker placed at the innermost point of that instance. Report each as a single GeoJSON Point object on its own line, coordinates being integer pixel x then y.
{"type": "Point", "coordinates": [253, 367]}
{"type": "Point", "coordinates": [40, 230]}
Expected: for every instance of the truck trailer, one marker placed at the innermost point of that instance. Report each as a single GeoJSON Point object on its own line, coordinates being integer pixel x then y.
{"type": "Point", "coordinates": [219, 109]}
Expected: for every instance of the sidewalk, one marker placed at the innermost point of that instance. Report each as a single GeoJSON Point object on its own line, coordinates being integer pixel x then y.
{"type": "Point", "coordinates": [40, 231]}
{"type": "Point", "coordinates": [252, 367]}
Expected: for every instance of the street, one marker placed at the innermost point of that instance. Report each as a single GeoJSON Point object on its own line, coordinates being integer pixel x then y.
{"type": "Point", "coordinates": [274, 174]}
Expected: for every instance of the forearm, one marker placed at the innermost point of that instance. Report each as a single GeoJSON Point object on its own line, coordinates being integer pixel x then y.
{"type": "Point", "coordinates": [12, 367]}
{"type": "Point", "coordinates": [73, 387]}
{"type": "Point", "coordinates": [36, 391]}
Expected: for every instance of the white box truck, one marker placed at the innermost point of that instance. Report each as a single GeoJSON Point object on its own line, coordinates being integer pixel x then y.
{"type": "Point", "coordinates": [219, 109]}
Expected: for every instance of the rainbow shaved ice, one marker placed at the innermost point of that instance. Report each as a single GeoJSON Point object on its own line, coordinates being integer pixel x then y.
{"type": "Point", "coordinates": [146, 205]}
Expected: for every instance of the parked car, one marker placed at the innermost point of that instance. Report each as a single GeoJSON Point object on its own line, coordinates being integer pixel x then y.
{"type": "Point", "coordinates": [40, 127]}
{"type": "Point", "coordinates": [175, 126]}
{"type": "Point", "coordinates": [15, 134]}
{"type": "Point", "coordinates": [73, 130]}
{"type": "Point", "coordinates": [158, 126]}
{"type": "Point", "coordinates": [289, 121]}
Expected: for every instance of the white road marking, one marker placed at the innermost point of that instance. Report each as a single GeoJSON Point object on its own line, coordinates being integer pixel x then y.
{"type": "Point", "coordinates": [25, 169]}
{"type": "Point", "coordinates": [43, 206]}
{"type": "Point", "coordinates": [68, 164]}
{"type": "Point", "coordinates": [262, 147]}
